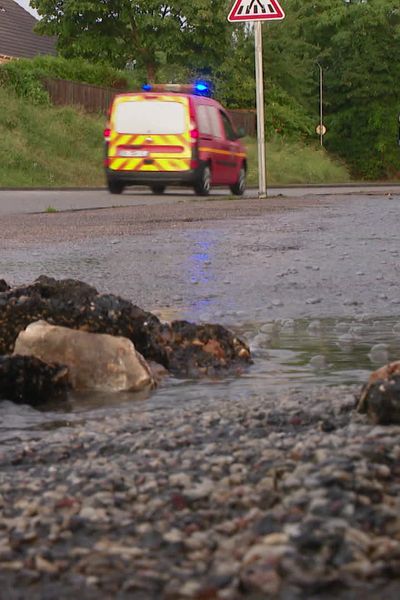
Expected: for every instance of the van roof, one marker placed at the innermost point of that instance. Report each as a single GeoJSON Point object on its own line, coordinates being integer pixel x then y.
{"type": "Point", "coordinates": [196, 98]}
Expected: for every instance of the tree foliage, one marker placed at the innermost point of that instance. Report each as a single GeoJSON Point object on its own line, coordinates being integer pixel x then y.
{"type": "Point", "coordinates": [358, 46]}
{"type": "Point", "coordinates": [148, 33]}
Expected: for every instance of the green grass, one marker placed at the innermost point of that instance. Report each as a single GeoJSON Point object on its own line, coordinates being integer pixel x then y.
{"type": "Point", "coordinates": [48, 146]}
{"type": "Point", "coordinates": [290, 162]}
{"type": "Point", "coordinates": [44, 146]}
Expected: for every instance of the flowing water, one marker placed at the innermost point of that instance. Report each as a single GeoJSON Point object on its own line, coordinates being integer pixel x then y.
{"type": "Point", "coordinates": [288, 354]}
{"type": "Point", "coordinates": [329, 272]}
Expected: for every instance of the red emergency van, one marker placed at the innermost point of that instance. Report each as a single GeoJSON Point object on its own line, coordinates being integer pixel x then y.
{"type": "Point", "coordinates": [173, 135]}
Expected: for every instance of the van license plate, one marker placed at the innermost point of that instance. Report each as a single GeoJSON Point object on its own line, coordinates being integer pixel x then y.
{"type": "Point", "coordinates": [133, 153]}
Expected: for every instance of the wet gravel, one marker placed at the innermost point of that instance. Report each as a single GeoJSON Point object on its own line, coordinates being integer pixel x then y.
{"type": "Point", "coordinates": [289, 497]}
{"type": "Point", "coordinates": [288, 494]}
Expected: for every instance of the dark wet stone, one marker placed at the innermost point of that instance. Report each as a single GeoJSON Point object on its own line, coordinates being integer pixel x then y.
{"type": "Point", "coordinates": [152, 539]}
{"type": "Point", "coordinates": [4, 286]}
{"type": "Point", "coordinates": [381, 401]}
{"type": "Point", "coordinates": [327, 426]}
{"type": "Point", "coordinates": [28, 380]}
{"type": "Point", "coordinates": [185, 349]}
{"type": "Point", "coordinates": [267, 525]}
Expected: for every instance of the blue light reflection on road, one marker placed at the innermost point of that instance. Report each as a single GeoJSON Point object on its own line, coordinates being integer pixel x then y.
{"type": "Point", "coordinates": [200, 272]}
{"type": "Point", "coordinates": [199, 262]}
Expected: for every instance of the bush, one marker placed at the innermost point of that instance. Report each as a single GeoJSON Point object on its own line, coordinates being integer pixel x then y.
{"type": "Point", "coordinates": [372, 152]}
{"type": "Point", "coordinates": [24, 82]}
{"type": "Point", "coordinates": [25, 75]}
{"type": "Point", "coordinates": [284, 116]}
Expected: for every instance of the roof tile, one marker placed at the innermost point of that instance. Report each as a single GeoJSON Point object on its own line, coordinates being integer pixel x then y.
{"type": "Point", "coordinates": [17, 38]}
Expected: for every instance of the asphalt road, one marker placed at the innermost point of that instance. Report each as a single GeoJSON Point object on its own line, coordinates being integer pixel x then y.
{"type": "Point", "coordinates": [329, 255]}
{"type": "Point", "coordinates": [21, 201]}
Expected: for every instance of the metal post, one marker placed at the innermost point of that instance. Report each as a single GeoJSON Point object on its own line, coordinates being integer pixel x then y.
{"type": "Point", "coordinates": [262, 179]}
{"type": "Point", "coordinates": [321, 117]}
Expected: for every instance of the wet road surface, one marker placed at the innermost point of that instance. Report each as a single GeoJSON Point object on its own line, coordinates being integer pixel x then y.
{"type": "Point", "coordinates": [30, 201]}
{"type": "Point", "coordinates": [310, 282]}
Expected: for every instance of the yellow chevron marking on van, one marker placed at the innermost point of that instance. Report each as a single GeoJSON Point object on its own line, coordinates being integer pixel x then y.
{"type": "Point", "coordinates": [160, 164]}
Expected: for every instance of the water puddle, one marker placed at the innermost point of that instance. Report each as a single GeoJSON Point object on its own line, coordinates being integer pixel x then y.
{"type": "Point", "coordinates": [288, 354]}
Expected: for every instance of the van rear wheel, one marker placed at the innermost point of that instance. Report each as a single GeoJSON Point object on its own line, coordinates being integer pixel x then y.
{"type": "Point", "coordinates": [115, 187]}
{"type": "Point", "coordinates": [239, 187]}
{"type": "Point", "coordinates": [158, 189]}
{"type": "Point", "coordinates": [203, 185]}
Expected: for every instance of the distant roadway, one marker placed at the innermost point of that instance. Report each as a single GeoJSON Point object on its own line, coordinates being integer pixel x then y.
{"type": "Point", "coordinates": [31, 201]}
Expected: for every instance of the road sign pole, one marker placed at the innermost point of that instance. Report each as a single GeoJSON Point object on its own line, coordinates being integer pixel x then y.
{"type": "Point", "coordinates": [258, 11]}
{"type": "Point", "coordinates": [262, 179]}
{"type": "Point", "coordinates": [321, 120]}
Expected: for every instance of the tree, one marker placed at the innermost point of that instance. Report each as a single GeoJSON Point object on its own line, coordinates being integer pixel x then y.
{"type": "Point", "coordinates": [358, 45]}
{"type": "Point", "coordinates": [147, 33]}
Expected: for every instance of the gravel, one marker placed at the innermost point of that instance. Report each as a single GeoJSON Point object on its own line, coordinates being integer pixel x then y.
{"type": "Point", "coordinates": [296, 497]}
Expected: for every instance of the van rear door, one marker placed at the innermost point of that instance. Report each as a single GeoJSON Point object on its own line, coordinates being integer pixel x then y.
{"type": "Point", "coordinates": [150, 132]}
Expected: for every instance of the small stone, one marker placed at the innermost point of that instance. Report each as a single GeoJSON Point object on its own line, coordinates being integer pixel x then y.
{"type": "Point", "coordinates": [201, 490]}
{"type": "Point", "coordinates": [45, 566]}
{"type": "Point", "coordinates": [276, 302]}
{"type": "Point", "coordinates": [190, 589]}
{"type": "Point", "coordinates": [313, 300]}
{"type": "Point", "coordinates": [174, 536]}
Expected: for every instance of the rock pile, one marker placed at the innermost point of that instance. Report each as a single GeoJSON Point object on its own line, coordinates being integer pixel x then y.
{"type": "Point", "coordinates": [184, 349]}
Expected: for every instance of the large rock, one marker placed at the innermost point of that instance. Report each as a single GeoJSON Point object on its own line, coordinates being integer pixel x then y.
{"type": "Point", "coordinates": [183, 348]}
{"type": "Point", "coordinates": [380, 397]}
{"type": "Point", "coordinates": [28, 380]}
{"type": "Point", "coordinates": [95, 361]}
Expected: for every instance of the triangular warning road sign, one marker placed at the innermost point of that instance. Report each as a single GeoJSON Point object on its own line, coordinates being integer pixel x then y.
{"type": "Point", "coordinates": [256, 10]}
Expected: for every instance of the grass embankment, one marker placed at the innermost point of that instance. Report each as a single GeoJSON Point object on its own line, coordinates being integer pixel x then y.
{"type": "Point", "coordinates": [44, 146]}
{"type": "Point", "coordinates": [290, 162]}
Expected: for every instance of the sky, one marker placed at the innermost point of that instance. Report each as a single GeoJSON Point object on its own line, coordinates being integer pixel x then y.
{"type": "Point", "coordinates": [25, 4]}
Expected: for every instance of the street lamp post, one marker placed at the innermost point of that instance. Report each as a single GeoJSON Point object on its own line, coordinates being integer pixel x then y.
{"type": "Point", "coordinates": [321, 124]}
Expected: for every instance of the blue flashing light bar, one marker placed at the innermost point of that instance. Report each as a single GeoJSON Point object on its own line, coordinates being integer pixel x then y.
{"type": "Point", "coordinates": [202, 88]}
{"type": "Point", "coordinates": [199, 88]}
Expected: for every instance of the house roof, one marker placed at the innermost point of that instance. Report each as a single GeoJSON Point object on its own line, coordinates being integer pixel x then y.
{"type": "Point", "coordinates": [17, 38]}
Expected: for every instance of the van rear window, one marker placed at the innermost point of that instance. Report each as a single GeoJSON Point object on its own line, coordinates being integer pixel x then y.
{"type": "Point", "coordinates": [150, 117]}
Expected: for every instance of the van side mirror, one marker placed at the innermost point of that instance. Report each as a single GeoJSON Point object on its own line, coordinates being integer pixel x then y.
{"type": "Point", "coordinates": [240, 132]}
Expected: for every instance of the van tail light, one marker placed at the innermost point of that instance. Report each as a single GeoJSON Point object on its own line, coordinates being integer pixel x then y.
{"type": "Point", "coordinates": [194, 164]}
{"type": "Point", "coordinates": [194, 133]}
{"type": "Point", "coordinates": [107, 134]}
{"type": "Point", "coordinates": [107, 162]}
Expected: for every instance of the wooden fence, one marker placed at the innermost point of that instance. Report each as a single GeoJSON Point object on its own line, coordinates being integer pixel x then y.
{"type": "Point", "coordinates": [97, 99]}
